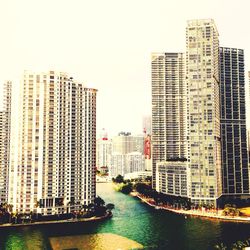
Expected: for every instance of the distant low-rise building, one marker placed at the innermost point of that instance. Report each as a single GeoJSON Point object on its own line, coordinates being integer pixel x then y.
{"type": "Point", "coordinates": [127, 154]}
{"type": "Point", "coordinates": [125, 143]}
{"type": "Point", "coordinates": [118, 166]}
{"type": "Point", "coordinates": [142, 175]}
{"type": "Point", "coordinates": [122, 164]}
{"type": "Point", "coordinates": [134, 162]}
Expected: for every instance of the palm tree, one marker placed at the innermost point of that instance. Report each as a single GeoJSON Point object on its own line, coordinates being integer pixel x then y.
{"type": "Point", "coordinates": [9, 207]}
{"type": "Point", "coordinates": [15, 215]}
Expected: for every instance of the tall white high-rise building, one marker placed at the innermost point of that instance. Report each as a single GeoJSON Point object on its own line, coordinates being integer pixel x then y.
{"type": "Point", "coordinates": [169, 104]}
{"type": "Point", "coordinates": [202, 69]}
{"type": "Point", "coordinates": [55, 170]}
{"type": "Point", "coordinates": [5, 140]}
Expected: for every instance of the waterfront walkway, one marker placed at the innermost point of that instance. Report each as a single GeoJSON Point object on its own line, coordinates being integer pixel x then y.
{"type": "Point", "coordinates": [213, 214]}
{"type": "Point", "coordinates": [94, 218]}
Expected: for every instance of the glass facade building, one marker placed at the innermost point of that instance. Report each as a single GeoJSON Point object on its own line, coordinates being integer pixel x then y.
{"type": "Point", "coordinates": [235, 169]}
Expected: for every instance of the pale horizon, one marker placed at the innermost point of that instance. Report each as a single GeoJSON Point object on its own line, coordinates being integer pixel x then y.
{"type": "Point", "coordinates": [108, 44]}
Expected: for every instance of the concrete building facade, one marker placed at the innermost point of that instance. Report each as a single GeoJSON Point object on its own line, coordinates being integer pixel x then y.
{"type": "Point", "coordinates": [57, 145]}
{"type": "Point", "coordinates": [169, 108]}
{"type": "Point", "coordinates": [135, 162]}
{"type": "Point", "coordinates": [125, 143]}
{"type": "Point", "coordinates": [5, 141]}
{"type": "Point", "coordinates": [202, 69]}
{"type": "Point", "coordinates": [171, 178]}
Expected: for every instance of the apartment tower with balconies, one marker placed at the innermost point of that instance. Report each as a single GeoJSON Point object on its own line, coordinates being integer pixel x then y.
{"type": "Point", "coordinates": [55, 170]}
{"type": "Point", "coordinates": [204, 150]}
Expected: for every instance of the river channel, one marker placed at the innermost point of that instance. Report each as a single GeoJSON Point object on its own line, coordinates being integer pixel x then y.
{"type": "Point", "coordinates": [133, 220]}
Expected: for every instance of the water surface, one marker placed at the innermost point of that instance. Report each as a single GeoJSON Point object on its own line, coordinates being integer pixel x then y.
{"type": "Point", "coordinates": [133, 220]}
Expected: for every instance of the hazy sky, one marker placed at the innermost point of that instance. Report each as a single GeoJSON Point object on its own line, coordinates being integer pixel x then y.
{"type": "Point", "coordinates": [107, 44]}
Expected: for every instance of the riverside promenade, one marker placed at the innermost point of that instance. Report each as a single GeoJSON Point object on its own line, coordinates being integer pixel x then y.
{"type": "Point", "coordinates": [217, 215]}
{"type": "Point", "coordinates": [80, 220]}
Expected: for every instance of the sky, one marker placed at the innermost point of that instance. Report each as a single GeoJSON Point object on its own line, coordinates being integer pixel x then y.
{"type": "Point", "coordinates": [107, 44]}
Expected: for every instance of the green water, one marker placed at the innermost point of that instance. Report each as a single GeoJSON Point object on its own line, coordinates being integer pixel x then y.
{"type": "Point", "coordinates": [154, 229]}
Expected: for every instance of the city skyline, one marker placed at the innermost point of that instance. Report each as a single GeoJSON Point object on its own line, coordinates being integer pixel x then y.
{"type": "Point", "coordinates": [201, 109]}
{"type": "Point", "coordinates": [125, 121]}
{"type": "Point", "coordinates": [110, 50]}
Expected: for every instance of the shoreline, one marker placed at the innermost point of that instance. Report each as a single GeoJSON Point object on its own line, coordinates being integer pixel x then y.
{"type": "Point", "coordinates": [194, 213]}
{"type": "Point", "coordinates": [53, 222]}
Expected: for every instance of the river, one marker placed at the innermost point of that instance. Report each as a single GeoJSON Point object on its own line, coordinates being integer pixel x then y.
{"type": "Point", "coordinates": [154, 229]}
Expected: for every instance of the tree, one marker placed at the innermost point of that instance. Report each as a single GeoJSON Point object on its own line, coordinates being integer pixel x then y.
{"type": "Point", "coordinates": [91, 206]}
{"type": "Point", "coordinates": [98, 201]}
{"type": "Point", "coordinates": [84, 207]}
{"type": "Point", "coordinates": [126, 188]}
{"type": "Point", "coordinates": [110, 206]}
{"type": "Point", "coordinates": [144, 189]}
{"type": "Point", "coordinates": [9, 207]}
{"type": "Point", "coordinates": [231, 210]}
{"type": "Point", "coordinates": [119, 179]}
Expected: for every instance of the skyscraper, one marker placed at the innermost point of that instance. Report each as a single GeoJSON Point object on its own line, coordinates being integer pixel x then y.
{"type": "Point", "coordinates": [168, 112]}
{"type": "Point", "coordinates": [104, 152]}
{"type": "Point", "coordinates": [235, 169]}
{"type": "Point", "coordinates": [5, 130]}
{"type": "Point", "coordinates": [57, 144]}
{"type": "Point", "coordinates": [202, 69]}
